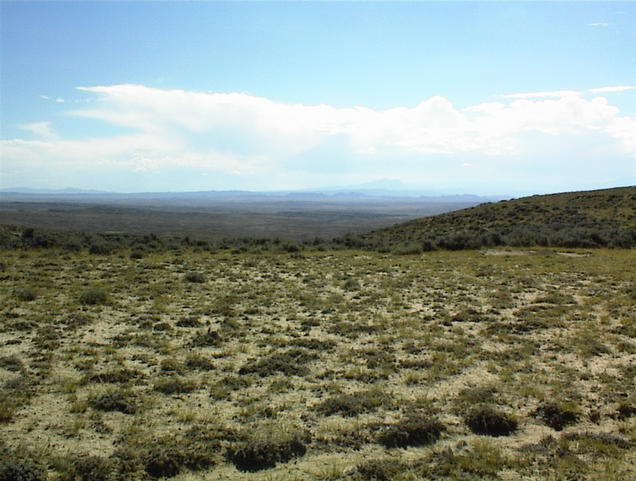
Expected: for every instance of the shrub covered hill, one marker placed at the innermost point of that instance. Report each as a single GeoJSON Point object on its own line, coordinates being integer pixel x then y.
{"type": "Point", "coordinates": [598, 218]}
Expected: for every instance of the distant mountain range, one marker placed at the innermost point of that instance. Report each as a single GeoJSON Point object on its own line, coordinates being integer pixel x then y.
{"type": "Point", "coordinates": [370, 191]}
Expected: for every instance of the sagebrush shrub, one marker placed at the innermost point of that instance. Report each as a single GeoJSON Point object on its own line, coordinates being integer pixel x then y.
{"type": "Point", "coordinates": [93, 296]}
{"type": "Point", "coordinates": [486, 420]}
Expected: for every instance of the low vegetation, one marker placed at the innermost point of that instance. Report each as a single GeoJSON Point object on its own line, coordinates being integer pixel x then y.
{"type": "Point", "coordinates": [603, 218]}
{"type": "Point", "coordinates": [317, 364]}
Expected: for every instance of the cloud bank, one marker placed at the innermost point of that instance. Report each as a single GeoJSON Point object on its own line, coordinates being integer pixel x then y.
{"type": "Point", "coordinates": [242, 135]}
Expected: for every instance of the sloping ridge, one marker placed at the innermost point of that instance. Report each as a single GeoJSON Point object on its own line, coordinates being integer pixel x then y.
{"type": "Point", "coordinates": [597, 218]}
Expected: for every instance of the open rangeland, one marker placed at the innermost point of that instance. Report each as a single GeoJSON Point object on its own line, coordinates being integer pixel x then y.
{"type": "Point", "coordinates": [318, 365]}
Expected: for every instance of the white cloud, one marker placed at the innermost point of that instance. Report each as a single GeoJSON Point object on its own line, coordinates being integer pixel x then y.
{"type": "Point", "coordinates": [617, 88]}
{"type": "Point", "coordinates": [59, 100]}
{"type": "Point", "coordinates": [543, 94]}
{"type": "Point", "coordinates": [598, 24]}
{"type": "Point", "coordinates": [41, 129]}
{"type": "Point", "coordinates": [238, 133]}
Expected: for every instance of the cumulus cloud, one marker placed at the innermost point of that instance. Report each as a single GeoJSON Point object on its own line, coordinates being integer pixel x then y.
{"type": "Point", "coordinates": [241, 133]}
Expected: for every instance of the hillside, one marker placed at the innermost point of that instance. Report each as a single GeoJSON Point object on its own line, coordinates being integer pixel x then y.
{"type": "Point", "coordinates": [599, 218]}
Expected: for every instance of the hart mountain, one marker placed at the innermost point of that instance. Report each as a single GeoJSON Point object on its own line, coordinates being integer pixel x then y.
{"type": "Point", "coordinates": [598, 218]}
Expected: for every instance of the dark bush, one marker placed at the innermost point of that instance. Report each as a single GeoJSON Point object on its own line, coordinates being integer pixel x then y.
{"type": "Point", "coordinates": [113, 401]}
{"type": "Point", "coordinates": [26, 295]}
{"type": "Point", "coordinates": [291, 363]}
{"type": "Point", "coordinates": [100, 249]}
{"type": "Point", "coordinates": [163, 462]}
{"type": "Point", "coordinates": [625, 411]}
{"type": "Point", "coordinates": [11, 363]}
{"type": "Point", "coordinates": [162, 326]}
{"type": "Point", "coordinates": [411, 432]}
{"type": "Point", "coordinates": [408, 249]}
{"type": "Point", "coordinates": [488, 421]}
{"type": "Point", "coordinates": [378, 469]}
{"type": "Point", "coordinates": [121, 375]}
{"type": "Point", "coordinates": [93, 296]}
{"type": "Point", "coordinates": [136, 254]}
{"type": "Point", "coordinates": [556, 416]}
{"type": "Point", "coordinates": [174, 385]}
{"type": "Point", "coordinates": [196, 361]}
{"type": "Point", "coordinates": [252, 456]}
{"type": "Point", "coordinates": [190, 321]}
{"type": "Point", "coordinates": [91, 468]}
{"type": "Point", "coordinates": [12, 470]}
{"type": "Point", "coordinates": [349, 405]}
{"type": "Point", "coordinates": [195, 277]}
{"type": "Point", "coordinates": [206, 338]}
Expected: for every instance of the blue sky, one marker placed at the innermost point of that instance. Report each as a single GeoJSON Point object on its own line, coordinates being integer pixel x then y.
{"type": "Point", "coordinates": [490, 98]}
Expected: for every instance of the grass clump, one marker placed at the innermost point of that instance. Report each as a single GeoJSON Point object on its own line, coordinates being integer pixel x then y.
{"type": "Point", "coordinates": [93, 296]}
{"type": "Point", "coordinates": [350, 405]}
{"type": "Point", "coordinates": [414, 431]}
{"type": "Point", "coordinates": [557, 416]}
{"type": "Point", "coordinates": [488, 421]}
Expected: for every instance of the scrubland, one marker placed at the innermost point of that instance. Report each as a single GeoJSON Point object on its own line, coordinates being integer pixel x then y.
{"type": "Point", "coordinates": [192, 363]}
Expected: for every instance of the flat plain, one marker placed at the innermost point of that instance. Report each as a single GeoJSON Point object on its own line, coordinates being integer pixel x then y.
{"type": "Point", "coordinates": [195, 363]}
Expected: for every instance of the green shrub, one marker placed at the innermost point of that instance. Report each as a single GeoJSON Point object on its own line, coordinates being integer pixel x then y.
{"type": "Point", "coordinates": [27, 294]}
{"type": "Point", "coordinates": [378, 470]}
{"type": "Point", "coordinates": [114, 401]}
{"type": "Point", "coordinates": [350, 405]}
{"type": "Point", "coordinates": [625, 410]}
{"type": "Point", "coordinates": [255, 455]}
{"type": "Point", "coordinates": [190, 321]}
{"type": "Point", "coordinates": [410, 248]}
{"type": "Point", "coordinates": [13, 470]}
{"type": "Point", "coordinates": [195, 277]}
{"type": "Point", "coordinates": [291, 363]}
{"type": "Point", "coordinates": [555, 415]}
{"type": "Point", "coordinates": [207, 338]}
{"type": "Point", "coordinates": [101, 249]}
{"type": "Point", "coordinates": [162, 462]}
{"type": "Point", "coordinates": [91, 468]}
{"type": "Point", "coordinates": [486, 420]}
{"type": "Point", "coordinates": [11, 363]}
{"type": "Point", "coordinates": [136, 254]}
{"type": "Point", "coordinates": [411, 432]}
{"type": "Point", "coordinates": [115, 376]}
{"type": "Point", "coordinates": [174, 385]}
{"type": "Point", "coordinates": [93, 296]}
{"type": "Point", "coordinates": [196, 361]}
